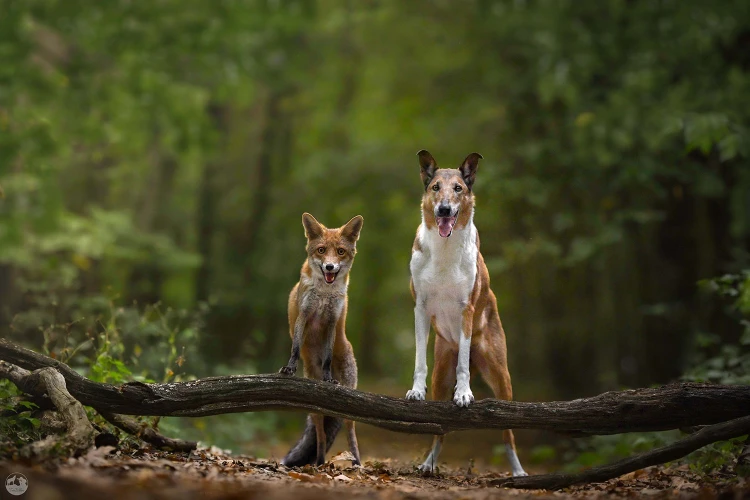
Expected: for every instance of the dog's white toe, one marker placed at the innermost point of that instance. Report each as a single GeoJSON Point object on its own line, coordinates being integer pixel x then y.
{"type": "Point", "coordinates": [463, 397]}
{"type": "Point", "coordinates": [426, 468]}
{"type": "Point", "coordinates": [520, 474]}
{"type": "Point", "coordinates": [415, 395]}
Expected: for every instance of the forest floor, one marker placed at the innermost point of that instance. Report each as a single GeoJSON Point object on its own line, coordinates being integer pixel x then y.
{"type": "Point", "coordinates": [213, 474]}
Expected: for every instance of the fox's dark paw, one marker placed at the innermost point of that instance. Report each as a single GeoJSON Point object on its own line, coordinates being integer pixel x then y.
{"type": "Point", "coordinates": [288, 370]}
{"type": "Point", "coordinates": [331, 380]}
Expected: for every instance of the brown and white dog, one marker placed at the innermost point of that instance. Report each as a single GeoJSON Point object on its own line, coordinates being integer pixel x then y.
{"type": "Point", "coordinates": [451, 288]}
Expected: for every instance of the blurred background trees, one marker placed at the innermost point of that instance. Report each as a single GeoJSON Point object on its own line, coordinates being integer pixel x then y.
{"type": "Point", "coordinates": [162, 153]}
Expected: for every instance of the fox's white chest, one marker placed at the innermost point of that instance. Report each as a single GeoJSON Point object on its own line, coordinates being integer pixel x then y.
{"type": "Point", "coordinates": [319, 300]}
{"type": "Point", "coordinates": [443, 273]}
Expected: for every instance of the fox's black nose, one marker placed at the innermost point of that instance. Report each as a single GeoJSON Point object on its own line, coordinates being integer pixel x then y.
{"type": "Point", "coordinates": [444, 211]}
{"type": "Point", "coordinates": [329, 267]}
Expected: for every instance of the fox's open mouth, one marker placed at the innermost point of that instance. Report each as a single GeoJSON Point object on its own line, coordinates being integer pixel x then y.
{"type": "Point", "coordinates": [330, 277]}
{"type": "Point", "coordinates": [445, 225]}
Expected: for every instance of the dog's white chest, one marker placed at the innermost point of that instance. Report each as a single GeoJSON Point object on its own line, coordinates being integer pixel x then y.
{"type": "Point", "coordinates": [444, 272]}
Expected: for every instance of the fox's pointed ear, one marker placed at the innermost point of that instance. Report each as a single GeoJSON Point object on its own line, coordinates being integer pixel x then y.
{"type": "Point", "coordinates": [313, 228]}
{"type": "Point", "coordinates": [352, 228]}
{"type": "Point", "coordinates": [428, 166]}
{"type": "Point", "coordinates": [469, 168]}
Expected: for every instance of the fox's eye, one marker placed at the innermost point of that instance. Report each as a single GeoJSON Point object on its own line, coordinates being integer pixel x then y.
{"type": "Point", "coordinates": [458, 188]}
{"type": "Point", "coordinates": [436, 187]}
{"type": "Point", "coordinates": [342, 251]}
{"type": "Point", "coordinates": [321, 249]}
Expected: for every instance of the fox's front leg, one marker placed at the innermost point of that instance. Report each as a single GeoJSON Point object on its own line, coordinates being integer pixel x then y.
{"type": "Point", "coordinates": [328, 355]}
{"type": "Point", "coordinates": [299, 330]}
{"type": "Point", "coordinates": [421, 332]}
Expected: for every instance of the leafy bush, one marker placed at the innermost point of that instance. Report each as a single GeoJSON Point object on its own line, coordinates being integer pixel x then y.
{"type": "Point", "coordinates": [16, 427]}
{"type": "Point", "coordinates": [716, 361]}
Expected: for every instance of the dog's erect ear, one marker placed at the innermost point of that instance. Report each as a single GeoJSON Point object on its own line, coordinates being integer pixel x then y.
{"type": "Point", "coordinates": [313, 228]}
{"type": "Point", "coordinates": [351, 229]}
{"type": "Point", "coordinates": [428, 166]}
{"type": "Point", "coordinates": [469, 168]}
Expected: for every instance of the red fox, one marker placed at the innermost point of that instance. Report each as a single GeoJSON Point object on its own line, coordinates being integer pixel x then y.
{"type": "Point", "coordinates": [317, 316]}
{"type": "Point", "coordinates": [451, 288]}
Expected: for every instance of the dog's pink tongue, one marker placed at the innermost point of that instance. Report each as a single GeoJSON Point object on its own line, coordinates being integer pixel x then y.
{"type": "Point", "coordinates": [330, 277]}
{"type": "Point", "coordinates": [445, 225]}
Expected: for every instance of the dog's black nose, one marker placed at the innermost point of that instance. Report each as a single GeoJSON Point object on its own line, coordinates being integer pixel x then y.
{"type": "Point", "coordinates": [329, 267]}
{"type": "Point", "coordinates": [444, 211]}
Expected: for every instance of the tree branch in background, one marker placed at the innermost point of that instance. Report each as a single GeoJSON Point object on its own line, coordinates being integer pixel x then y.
{"type": "Point", "coordinates": [707, 435]}
{"type": "Point", "coordinates": [147, 434]}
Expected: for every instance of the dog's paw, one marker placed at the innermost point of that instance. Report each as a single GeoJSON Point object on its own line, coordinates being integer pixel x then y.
{"type": "Point", "coordinates": [521, 473]}
{"type": "Point", "coordinates": [427, 468]}
{"type": "Point", "coordinates": [331, 380]}
{"type": "Point", "coordinates": [463, 397]}
{"type": "Point", "coordinates": [288, 370]}
{"type": "Point", "coordinates": [415, 395]}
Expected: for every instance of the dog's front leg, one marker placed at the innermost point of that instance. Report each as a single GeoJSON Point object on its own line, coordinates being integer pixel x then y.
{"type": "Point", "coordinates": [421, 332]}
{"type": "Point", "coordinates": [463, 395]}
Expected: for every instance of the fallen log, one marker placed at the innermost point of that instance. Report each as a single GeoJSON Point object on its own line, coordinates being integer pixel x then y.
{"type": "Point", "coordinates": [668, 407]}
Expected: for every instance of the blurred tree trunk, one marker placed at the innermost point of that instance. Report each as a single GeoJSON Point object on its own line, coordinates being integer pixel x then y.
{"type": "Point", "coordinates": [146, 278]}
{"type": "Point", "coordinates": [260, 200]}
{"type": "Point", "coordinates": [368, 335]}
{"type": "Point", "coordinates": [9, 299]}
{"type": "Point", "coordinates": [206, 216]}
{"type": "Point", "coordinates": [275, 341]}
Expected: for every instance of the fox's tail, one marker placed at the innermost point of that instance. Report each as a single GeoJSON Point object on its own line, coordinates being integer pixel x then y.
{"type": "Point", "coordinates": [306, 450]}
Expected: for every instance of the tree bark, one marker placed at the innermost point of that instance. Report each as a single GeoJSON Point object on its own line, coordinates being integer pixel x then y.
{"type": "Point", "coordinates": [37, 384]}
{"type": "Point", "coordinates": [707, 435]}
{"type": "Point", "coordinates": [80, 435]}
{"type": "Point", "coordinates": [668, 407]}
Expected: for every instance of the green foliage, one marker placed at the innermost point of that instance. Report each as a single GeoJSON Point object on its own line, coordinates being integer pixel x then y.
{"type": "Point", "coordinates": [542, 455]}
{"type": "Point", "coordinates": [599, 450]}
{"type": "Point", "coordinates": [152, 153]}
{"type": "Point", "coordinates": [721, 456]}
{"type": "Point", "coordinates": [17, 427]}
{"type": "Point", "coordinates": [108, 369]}
{"type": "Point", "coordinates": [716, 361]}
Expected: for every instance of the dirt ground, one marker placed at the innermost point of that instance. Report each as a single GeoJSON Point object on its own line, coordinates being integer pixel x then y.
{"type": "Point", "coordinates": [212, 474]}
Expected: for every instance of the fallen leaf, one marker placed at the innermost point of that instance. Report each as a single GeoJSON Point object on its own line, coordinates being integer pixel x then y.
{"type": "Point", "coordinates": [343, 456]}
{"type": "Point", "coordinates": [96, 456]}
{"type": "Point", "coordinates": [342, 477]}
{"type": "Point", "coordinates": [309, 478]}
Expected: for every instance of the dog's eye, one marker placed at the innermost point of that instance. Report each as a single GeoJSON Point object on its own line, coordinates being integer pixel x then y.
{"type": "Point", "coordinates": [458, 188]}
{"type": "Point", "coordinates": [321, 249]}
{"type": "Point", "coordinates": [436, 187]}
{"type": "Point", "coordinates": [342, 251]}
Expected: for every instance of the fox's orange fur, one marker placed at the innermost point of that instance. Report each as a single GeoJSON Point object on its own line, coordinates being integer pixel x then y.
{"type": "Point", "coordinates": [317, 319]}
